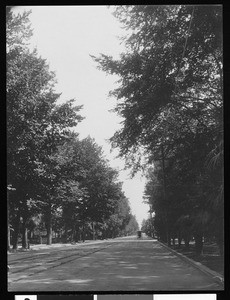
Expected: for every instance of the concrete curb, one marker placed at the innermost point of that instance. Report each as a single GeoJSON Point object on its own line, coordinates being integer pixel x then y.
{"type": "Point", "coordinates": [218, 278]}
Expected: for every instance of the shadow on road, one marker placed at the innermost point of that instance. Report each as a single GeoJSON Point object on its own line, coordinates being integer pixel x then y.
{"type": "Point", "coordinates": [128, 265]}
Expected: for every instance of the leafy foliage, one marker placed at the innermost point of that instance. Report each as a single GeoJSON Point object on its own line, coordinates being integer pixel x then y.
{"type": "Point", "coordinates": [52, 176]}
{"type": "Point", "coordinates": [55, 181]}
{"type": "Point", "coordinates": [170, 101]}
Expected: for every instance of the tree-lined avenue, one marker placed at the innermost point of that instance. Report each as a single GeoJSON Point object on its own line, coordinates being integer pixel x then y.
{"type": "Point", "coordinates": [121, 264]}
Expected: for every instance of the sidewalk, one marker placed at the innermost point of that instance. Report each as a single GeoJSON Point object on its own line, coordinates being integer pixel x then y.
{"type": "Point", "coordinates": [217, 277]}
{"type": "Point", "coordinates": [36, 247]}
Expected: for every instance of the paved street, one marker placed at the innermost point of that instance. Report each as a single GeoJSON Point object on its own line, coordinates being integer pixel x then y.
{"type": "Point", "coordinates": [122, 264]}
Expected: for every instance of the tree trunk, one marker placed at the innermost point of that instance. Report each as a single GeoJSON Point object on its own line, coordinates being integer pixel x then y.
{"type": "Point", "coordinates": [179, 239]}
{"type": "Point", "coordinates": [49, 226]}
{"type": "Point", "coordinates": [220, 243]}
{"type": "Point", "coordinates": [73, 237]}
{"type": "Point", "coordinates": [83, 232]}
{"type": "Point", "coordinates": [40, 238]}
{"type": "Point", "coordinates": [31, 234]}
{"type": "Point", "coordinates": [8, 221]}
{"type": "Point", "coordinates": [186, 241]}
{"type": "Point", "coordinates": [168, 238]}
{"type": "Point", "coordinates": [168, 233]}
{"type": "Point", "coordinates": [219, 236]}
{"type": "Point", "coordinates": [65, 235]}
{"type": "Point", "coordinates": [49, 233]}
{"type": "Point", "coordinates": [16, 231]}
{"type": "Point", "coordinates": [8, 239]}
{"type": "Point", "coordinates": [198, 243]}
{"type": "Point", "coordinates": [93, 231]}
{"type": "Point", "coordinates": [174, 242]}
{"type": "Point", "coordinates": [221, 248]}
{"type": "Point", "coordinates": [77, 234]}
{"type": "Point", "coordinates": [163, 237]}
{"type": "Point", "coordinates": [24, 236]}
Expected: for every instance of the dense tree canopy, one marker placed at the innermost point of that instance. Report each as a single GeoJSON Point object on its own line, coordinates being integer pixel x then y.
{"type": "Point", "coordinates": [162, 80]}
{"type": "Point", "coordinates": [56, 183]}
{"type": "Point", "coordinates": [170, 101]}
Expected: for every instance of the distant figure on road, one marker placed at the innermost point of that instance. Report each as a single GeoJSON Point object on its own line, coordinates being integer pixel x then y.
{"type": "Point", "coordinates": [139, 234]}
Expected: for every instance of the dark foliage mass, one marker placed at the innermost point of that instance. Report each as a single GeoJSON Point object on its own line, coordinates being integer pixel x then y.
{"type": "Point", "coordinates": [170, 99]}
{"type": "Point", "coordinates": [58, 186]}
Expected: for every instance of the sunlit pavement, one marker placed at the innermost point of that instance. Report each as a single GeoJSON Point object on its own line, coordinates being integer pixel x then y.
{"type": "Point", "coordinates": [123, 264]}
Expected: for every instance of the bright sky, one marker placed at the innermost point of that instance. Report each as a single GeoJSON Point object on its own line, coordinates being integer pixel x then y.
{"type": "Point", "coordinates": [66, 36]}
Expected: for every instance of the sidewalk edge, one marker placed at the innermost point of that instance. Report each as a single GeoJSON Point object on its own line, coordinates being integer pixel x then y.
{"type": "Point", "coordinates": [217, 277]}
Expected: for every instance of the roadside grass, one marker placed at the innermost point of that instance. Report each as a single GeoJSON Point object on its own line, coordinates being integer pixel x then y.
{"type": "Point", "coordinates": [210, 257]}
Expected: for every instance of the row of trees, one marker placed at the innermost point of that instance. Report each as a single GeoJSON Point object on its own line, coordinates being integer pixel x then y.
{"type": "Point", "coordinates": [170, 101]}
{"type": "Point", "coordinates": [55, 181]}
{"type": "Point", "coordinates": [148, 227]}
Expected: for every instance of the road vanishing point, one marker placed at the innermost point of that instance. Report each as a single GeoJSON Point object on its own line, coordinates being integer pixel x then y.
{"type": "Point", "coordinates": [121, 264]}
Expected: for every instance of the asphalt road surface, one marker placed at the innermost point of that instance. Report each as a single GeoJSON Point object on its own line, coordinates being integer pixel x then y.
{"type": "Point", "coordinates": [122, 264]}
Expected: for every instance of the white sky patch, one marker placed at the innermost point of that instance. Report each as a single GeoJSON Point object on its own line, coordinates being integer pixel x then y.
{"type": "Point", "coordinates": [66, 36]}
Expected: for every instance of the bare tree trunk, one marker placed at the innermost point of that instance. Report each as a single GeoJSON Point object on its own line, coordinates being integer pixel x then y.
{"type": "Point", "coordinates": [77, 233]}
{"type": "Point", "coordinates": [93, 231]}
{"type": "Point", "coordinates": [198, 243]}
{"type": "Point", "coordinates": [24, 235]}
{"type": "Point", "coordinates": [8, 238]}
{"type": "Point", "coordinates": [73, 238]}
{"type": "Point", "coordinates": [168, 237]}
{"type": "Point", "coordinates": [49, 225]}
{"type": "Point", "coordinates": [65, 235]}
{"type": "Point", "coordinates": [40, 238]}
{"type": "Point", "coordinates": [8, 221]}
{"type": "Point", "coordinates": [220, 243]}
{"type": "Point", "coordinates": [174, 243]}
{"type": "Point", "coordinates": [220, 236]}
{"type": "Point", "coordinates": [49, 233]}
{"type": "Point", "coordinates": [186, 241]}
{"type": "Point", "coordinates": [83, 232]}
{"type": "Point", "coordinates": [179, 239]}
{"type": "Point", "coordinates": [16, 231]}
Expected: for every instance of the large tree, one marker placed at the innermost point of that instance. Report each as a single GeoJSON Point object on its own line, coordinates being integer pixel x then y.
{"type": "Point", "coordinates": [36, 125]}
{"type": "Point", "coordinates": [170, 101]}
{"type": "Point", "coordinates": [100, 182]}
{"type": "Point", "coordinates": [173, 66]}
{"type": "Point", "coordinates": [117, 222]}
